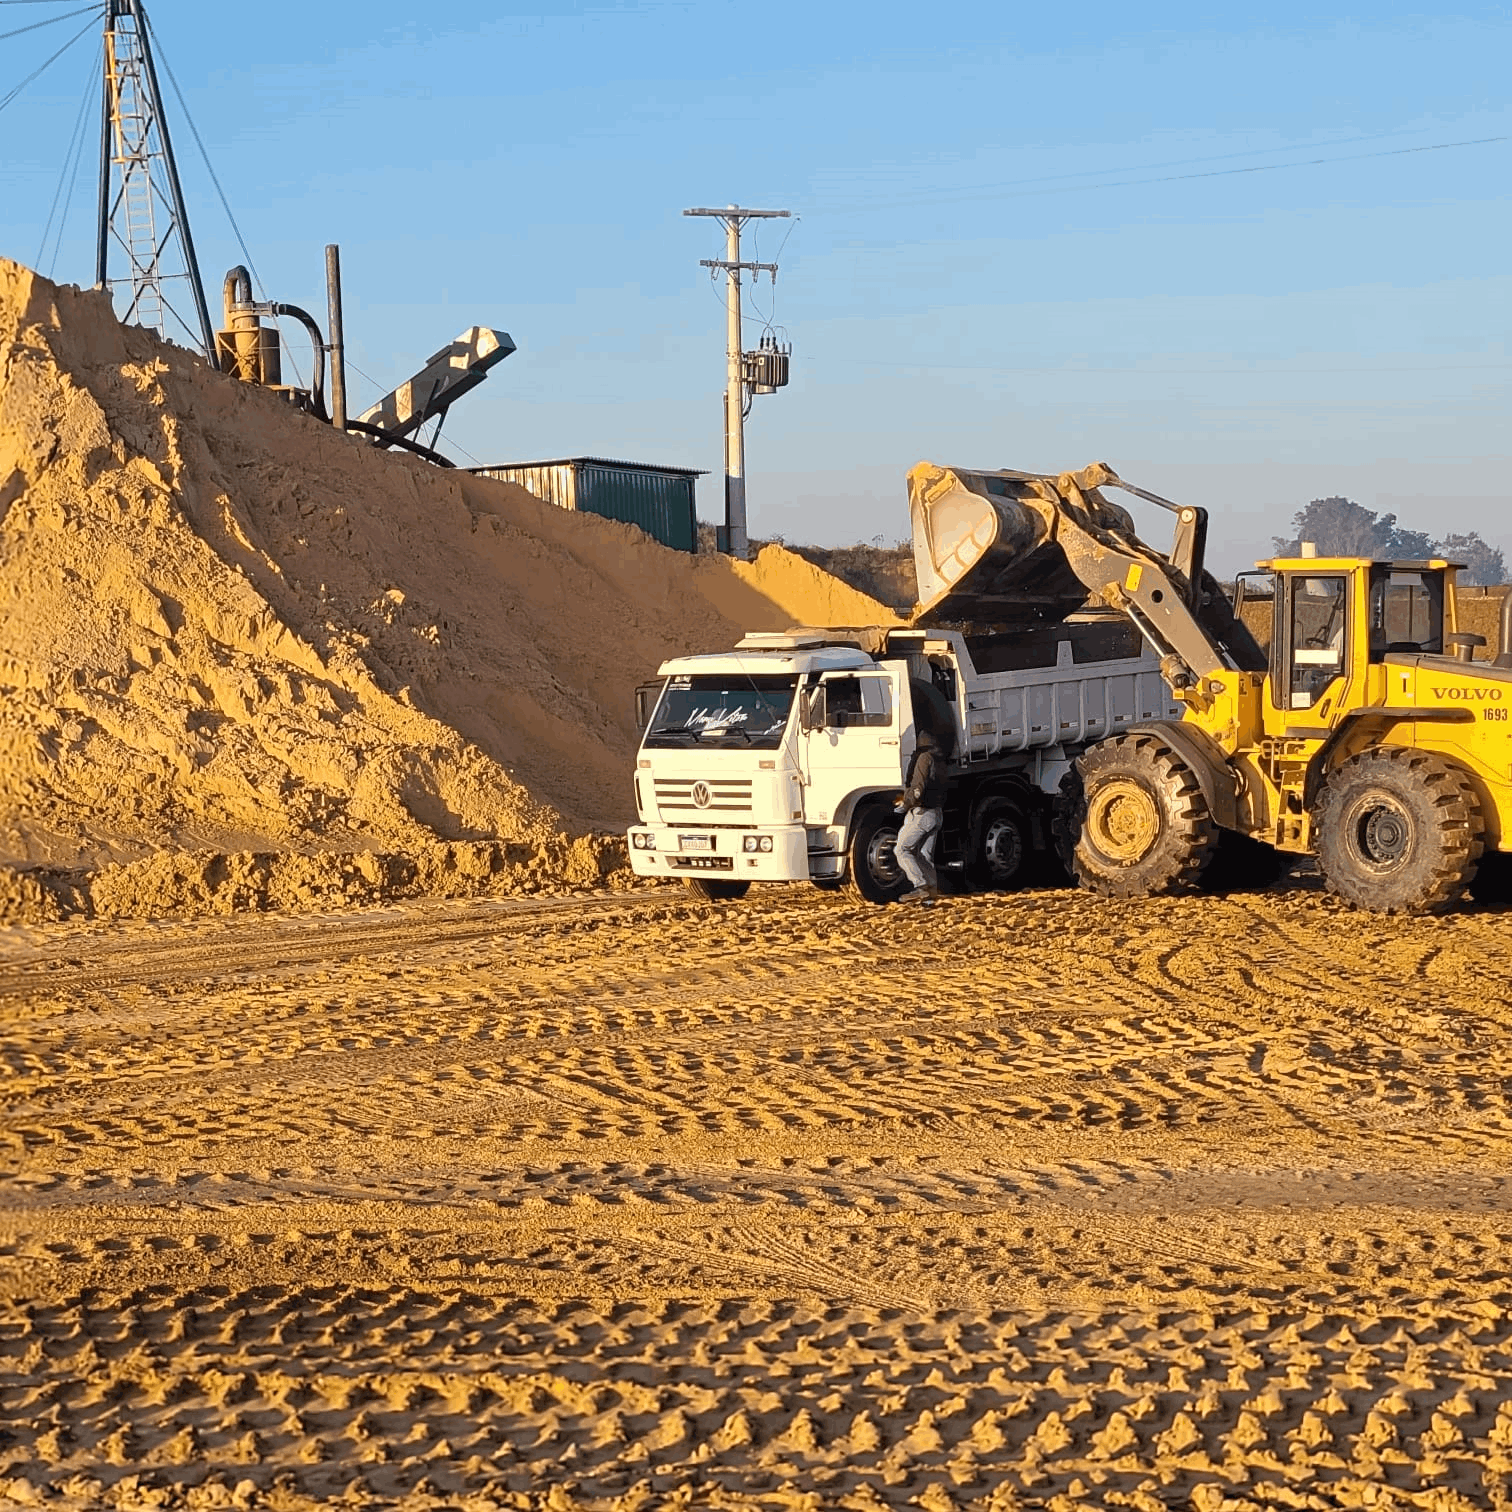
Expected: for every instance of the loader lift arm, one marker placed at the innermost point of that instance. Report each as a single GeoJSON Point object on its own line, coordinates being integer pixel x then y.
{"type": "Point", "coordinates": [1176, 604]}
{"type": "Point", "coordinates": [984, 541]}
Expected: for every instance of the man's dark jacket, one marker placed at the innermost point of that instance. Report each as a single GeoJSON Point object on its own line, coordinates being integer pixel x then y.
{"type": "Point", "coordinates": [924, 786]}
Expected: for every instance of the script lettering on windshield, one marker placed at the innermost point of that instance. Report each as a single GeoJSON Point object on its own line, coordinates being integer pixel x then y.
{"type": "Point", "coordinates": [724, 708]}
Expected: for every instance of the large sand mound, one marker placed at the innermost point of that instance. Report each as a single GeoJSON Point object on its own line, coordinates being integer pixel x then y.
{"type": "Point", "coordinates": [224, 625]}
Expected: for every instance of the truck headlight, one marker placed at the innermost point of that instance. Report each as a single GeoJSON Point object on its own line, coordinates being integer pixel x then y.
{"type": "Point", "coordinates": [756, 843]}
{"type": "Point", "coordinates": [749, 843]}
{"type": "Point", "coordinates": [766, 843]}
{"type": "Point", "coordinates": [643, 840]}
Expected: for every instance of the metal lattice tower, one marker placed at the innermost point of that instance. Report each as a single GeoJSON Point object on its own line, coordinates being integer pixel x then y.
{"type": "Point", "coordinates": [141, 201]}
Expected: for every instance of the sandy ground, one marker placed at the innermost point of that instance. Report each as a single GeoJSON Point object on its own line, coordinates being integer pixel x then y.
{"type": "Point", "coordinates": [643, 1202]}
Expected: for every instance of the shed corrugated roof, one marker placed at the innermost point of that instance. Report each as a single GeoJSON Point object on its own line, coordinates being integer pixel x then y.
{"type": "Point", "coordinates": [686, 472]}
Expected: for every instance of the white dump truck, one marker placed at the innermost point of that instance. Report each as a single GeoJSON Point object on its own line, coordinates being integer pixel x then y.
{"type": "Point", "coordinates": [780, 760]}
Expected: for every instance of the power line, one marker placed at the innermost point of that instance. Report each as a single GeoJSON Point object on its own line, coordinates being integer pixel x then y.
{"type": "Point", "coordinates": [1051, 178]}
{"type": "Point", "coordinates": [199, 142]}
{"type": "Point", "coordinates": [1092, 372]}
{"type": "Point", "coordinates": [955, 196]}
{"type": "Point", "coordinates": [42, 68]}
{"type": "Point", "coordinates": [73, 156]}
{"type": "Point", "coordinates": [36, 25]}
{"type": "Point", "coordinates": [236, 231]}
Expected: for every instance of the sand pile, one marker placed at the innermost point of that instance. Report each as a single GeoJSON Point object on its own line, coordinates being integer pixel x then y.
{"type": "Point", "coordinates": [224, 627]}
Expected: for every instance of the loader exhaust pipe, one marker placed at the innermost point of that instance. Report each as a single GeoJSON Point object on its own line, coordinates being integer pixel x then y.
{"type": "Point", "coordinates": [1504, 632]}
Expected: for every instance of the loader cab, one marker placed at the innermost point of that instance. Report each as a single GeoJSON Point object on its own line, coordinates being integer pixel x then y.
{"type": "Point", "coordinates": [1335, 617]}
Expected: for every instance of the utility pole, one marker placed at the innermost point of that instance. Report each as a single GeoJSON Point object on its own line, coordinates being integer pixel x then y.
{"type": "Point", "coordinates": [733, 218]}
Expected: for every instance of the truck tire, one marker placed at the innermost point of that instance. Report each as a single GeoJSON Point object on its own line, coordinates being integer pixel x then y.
{"type": "Point", "coordinates": [718, 890]}
{"type": "Point", "coordinates": [1132, 820]}
{"type": "Point", "coordinates": [1000, 846]}
{"type": "Point", "coordinates": [1398, 831]}
{"type": "Point", "coordinates": [874, 870]}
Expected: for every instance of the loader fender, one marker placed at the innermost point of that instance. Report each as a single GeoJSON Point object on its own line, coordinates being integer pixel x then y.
{"type": "Point", "coordinates": [1215, 777]}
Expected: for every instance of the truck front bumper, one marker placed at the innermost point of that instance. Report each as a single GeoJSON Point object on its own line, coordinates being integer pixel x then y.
{"type": "Point", "coordinates": [720, 853]}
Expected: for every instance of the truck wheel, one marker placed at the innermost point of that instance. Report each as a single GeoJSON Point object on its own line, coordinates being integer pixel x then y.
{"type": "Point", "coordinates": [716, 889]}
{"type": "Point", "coordinates": [1000, 846]}
{"type": "Point", "coordinates": [874, 869]}
{"type": "Point", "coordinates": [1398, 831]}
{"type": "Point", "coordinates": [1133, 820]}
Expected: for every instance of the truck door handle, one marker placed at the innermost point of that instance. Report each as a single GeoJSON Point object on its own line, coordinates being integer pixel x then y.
{"type": "Point", "coordinates": [885, 741]}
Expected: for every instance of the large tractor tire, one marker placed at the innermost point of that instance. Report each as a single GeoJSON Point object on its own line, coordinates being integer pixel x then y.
{"type": "Point", "coordinates": [717, 889]}
{"type": "Point", "coordinates": [1132, 820]}
{"type": "Point", "coordinates": [1398, 831]}
{"type": "Point", "coordinates": [874, 870]}
{"type": "Point", "coordinates": [1001, 846]}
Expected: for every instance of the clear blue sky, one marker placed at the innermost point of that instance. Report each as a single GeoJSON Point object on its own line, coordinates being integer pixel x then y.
{"type": "Point", "coordinates": [1019, 243]}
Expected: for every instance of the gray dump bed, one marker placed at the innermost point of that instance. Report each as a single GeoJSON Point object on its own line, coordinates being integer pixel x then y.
{"type": "Point", "coordinates": [1066, 684]}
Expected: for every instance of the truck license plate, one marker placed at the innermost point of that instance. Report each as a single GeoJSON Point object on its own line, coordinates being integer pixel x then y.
{"type": "Point", "coordinates": [696, 842]}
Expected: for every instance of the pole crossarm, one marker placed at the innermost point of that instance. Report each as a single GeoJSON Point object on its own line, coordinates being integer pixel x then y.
{"type": "Point", "coordinates": [739, 213]}
{"type": "Point", "coordinates": [714, 262]}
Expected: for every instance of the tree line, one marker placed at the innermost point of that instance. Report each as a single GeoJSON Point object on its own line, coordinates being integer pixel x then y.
{"type": "Point", "coordinates": [1340, 527]}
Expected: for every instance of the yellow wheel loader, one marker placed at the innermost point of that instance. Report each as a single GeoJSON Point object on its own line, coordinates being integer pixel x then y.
{"type": "Point", "coordinates": [1368, 736]}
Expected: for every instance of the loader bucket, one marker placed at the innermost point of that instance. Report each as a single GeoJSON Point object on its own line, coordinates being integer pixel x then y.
{"type": "Point", "coordinates": [984, 545]}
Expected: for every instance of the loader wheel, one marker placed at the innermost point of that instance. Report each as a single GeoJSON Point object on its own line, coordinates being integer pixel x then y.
{"type": "Point", "coordinates": [874, 869]}
{"type": "Point", "coordinates": [1000, 846]}
{"type": "Point", "coordinates": [717, 890]}
{"type": "Point", "coordinates": [1133, 820]}
{"type": "Point", "coordinates": [1398, 831]}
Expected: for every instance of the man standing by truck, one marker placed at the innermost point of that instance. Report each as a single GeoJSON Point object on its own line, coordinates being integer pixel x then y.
{"type": "Point", "coordinates": [923, 805]}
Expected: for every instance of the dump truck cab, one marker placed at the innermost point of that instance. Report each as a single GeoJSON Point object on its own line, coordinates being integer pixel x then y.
{"type": "Point", "coordinates": [753, 759]}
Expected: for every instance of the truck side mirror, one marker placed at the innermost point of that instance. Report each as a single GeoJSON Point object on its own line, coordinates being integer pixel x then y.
{"type": "Point", "coordinates": [812, 711]}
{"type": "Point", "coordinates": [645, 704]}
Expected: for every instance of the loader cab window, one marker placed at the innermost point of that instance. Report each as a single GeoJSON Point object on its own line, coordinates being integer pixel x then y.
{"type": "Point", "coordinates": [1316, 643]}
{"type": "Point", "coordinates": [1406, 611]}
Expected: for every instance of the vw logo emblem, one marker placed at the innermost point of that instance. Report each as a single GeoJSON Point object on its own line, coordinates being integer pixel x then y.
{"type": "Point", "coordinates": [701, 794]}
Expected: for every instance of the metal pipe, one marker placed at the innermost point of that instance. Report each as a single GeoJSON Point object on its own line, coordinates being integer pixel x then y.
{"type": "Point", "coordinates": [338, 342]}
{"type": "Point", "coordinates": [237, 289]}
{"type": "Point", "coordinates": [1504, 633]}
{"type": "Point", "coordinates": [317, 341]}
{"type": "Point", "coordinates": [383, 439]}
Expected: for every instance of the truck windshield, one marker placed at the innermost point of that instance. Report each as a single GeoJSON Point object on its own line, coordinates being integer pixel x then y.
{"type": "Point", "coordinates": [724, 707]}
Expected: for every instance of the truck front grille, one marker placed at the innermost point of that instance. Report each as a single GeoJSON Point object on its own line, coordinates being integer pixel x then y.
{"type": "Point", "coordinates": [726, 795]}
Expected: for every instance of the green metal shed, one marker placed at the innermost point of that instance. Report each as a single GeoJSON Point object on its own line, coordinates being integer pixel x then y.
{"type": "Point", "coordinates": [658, 499]}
